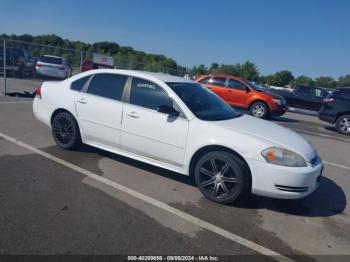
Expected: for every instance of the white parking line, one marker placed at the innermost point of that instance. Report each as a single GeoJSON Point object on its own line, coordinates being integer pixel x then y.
{"type": "Point", "coordinates": [336, 165]}
{"type": "Point", "coordinates": [197, 221]}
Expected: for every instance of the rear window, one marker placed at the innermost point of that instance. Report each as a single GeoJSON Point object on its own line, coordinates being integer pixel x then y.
{"type": "Point", "coordinates": [51, 60]}
{"type": "Point", "coordinates": [204, 80]}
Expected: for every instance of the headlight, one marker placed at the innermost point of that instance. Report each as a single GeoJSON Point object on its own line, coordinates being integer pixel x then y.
{"type": "Point", "coordinates": [277, 101]}
{"type": "Point", "coordinates": [283, 157]}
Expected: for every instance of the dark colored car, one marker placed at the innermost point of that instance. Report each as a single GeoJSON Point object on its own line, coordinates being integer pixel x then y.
{"type": "Point", "coordinates": [306, 97]}
{"type": "Point", "coordinates": [336, 110]}
{"type": "Point", "coordinates": [18, 62]}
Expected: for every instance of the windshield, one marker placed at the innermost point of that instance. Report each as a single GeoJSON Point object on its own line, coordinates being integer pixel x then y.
{"type": "Point", "coordinates": [203, 103]}
{"type": "Point", "coordinates": [255, 86]}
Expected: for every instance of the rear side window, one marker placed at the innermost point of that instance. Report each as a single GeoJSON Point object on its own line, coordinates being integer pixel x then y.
{"type": "Point", "coordinates": [217, 81]}
{"type": "Point", "coordinates": [235, 84]}
{"type": "Point", "coordinates": [108, 85]}
{"type": "Point", "coordinates": [147, 94]}
{"type": "Point", "coordinates": [304, 90]}
{"type": "Point", "coordinates": [78, 84]}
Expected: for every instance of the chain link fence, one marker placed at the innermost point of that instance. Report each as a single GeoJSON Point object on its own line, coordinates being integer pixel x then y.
{"type": "Point", "coordinates": [24, 65]}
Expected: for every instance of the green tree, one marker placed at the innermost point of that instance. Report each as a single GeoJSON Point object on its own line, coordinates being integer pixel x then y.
{"type": "Point", "coordinates": [199, 70]}
{"type": "Point", "coordinates": [325, 81]}
{"type": "Point", "coordinates": [344, 81]}
{"type": "Point", "coordinates": [249, 71]}
{"type": "Point", "coordinates": [281, 78]}
{"type": "Point", "coordinates": [304, 80]}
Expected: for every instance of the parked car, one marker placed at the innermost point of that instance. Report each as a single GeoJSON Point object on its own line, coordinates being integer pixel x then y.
{"type": "Point", "coordinates": [336, 110]}
{"type": "Point", "coordinates": [53, 66]}
{"type": "Point", "coordinates": [175, 123]}
{"type": "Point", "coordinates": [90, 65]}
{"type": "Point", "coordinates": [306, 97]}
{"type": "Point", "coordinates": [242, 93]}
{"type": "Point", "coordinates": [18, 62]}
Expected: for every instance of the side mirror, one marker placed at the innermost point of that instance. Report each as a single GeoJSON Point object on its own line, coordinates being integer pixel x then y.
{"type": "Point", "coordinates": [165, 109]}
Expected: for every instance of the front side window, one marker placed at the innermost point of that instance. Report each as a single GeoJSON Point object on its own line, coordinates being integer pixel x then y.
{"type": "Point", "coordinates": [108, 85]}
{"type": "Point", "coordinates": [147, 94]}
{"type": "Point", "coordinates": [235, 84]}
{"type": "Point", "coordinates": [203, 103]}
{"type": "Point", "coordinates": [217, 81]}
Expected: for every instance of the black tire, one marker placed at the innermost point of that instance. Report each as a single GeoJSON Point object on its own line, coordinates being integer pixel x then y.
{"type": "Point", "coordinates": [260, 110]}
{"type": "Point", "coordinates": [343, 124]}
{"type": "Point", "coordinates": [65, 131]}
{"type": "Point", "coordinates": [224, 180]}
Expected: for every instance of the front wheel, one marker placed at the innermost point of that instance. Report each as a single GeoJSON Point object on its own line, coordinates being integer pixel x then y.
{"type": "Point", "coordinates": [259, 110]}
{"type": "Point", "coordinates": [343, 124]}
{"type": "Point", "coordinates": [65, 131]}
{"type": "Point", "coordinates": [221, 177]}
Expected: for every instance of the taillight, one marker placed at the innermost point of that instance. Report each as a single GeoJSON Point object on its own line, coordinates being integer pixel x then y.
{"type": "Point", "coordinates": [328, 100]}
{"type": "Point", "coordinates": [38, 65]}
{"type": "Point", "coordinates": [38, 90]}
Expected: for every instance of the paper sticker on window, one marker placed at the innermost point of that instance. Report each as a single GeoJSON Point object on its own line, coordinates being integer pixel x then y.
{"type": "Point", "coordinates": [146, 85]}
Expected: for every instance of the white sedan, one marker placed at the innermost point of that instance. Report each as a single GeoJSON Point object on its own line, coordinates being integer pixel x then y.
{"type": "Point", "coordinates": [176, 124]}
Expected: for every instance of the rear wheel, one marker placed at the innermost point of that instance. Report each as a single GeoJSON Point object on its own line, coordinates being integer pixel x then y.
{"type": "Point", "coordinates": [65, 131]}
{"type": "Point", "coordinates": [343, 124]}
{"type": "Point", "coordinates": [221, 176]}
{"type": "Point", "coordinates": [259, 110]}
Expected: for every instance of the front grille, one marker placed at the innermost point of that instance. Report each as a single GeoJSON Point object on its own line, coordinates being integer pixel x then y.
{"type": "Point", "coordinates": [294, 189]}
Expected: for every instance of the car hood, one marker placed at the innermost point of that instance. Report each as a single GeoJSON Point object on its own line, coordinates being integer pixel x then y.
{"type": "Point", "coordinates": [272, 133]}
{"type": "Point", "coordinates": [275, 95]}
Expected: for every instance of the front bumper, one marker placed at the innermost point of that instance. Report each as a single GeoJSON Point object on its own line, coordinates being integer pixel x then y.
{"type": "Point", "coordinates": [284, 182]}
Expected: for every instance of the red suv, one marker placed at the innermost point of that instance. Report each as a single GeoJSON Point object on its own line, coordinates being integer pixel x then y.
{"type": "Point", "coordinates": [242, 93]}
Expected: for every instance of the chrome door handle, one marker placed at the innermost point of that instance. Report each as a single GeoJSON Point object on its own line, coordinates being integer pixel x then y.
{"type": "Point", "coordinates": [133, 115]}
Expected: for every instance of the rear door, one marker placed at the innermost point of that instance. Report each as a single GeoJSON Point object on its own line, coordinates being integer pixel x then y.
{"type": "Point", "coordinates": [317, 96]}
{"type": "Point", "coordinates": [100, 107]}
{"type": "Point", "coordinates": [302, 97]}
{"type": "Point", "coordinates": [238, 94]}
{"type": "Point", "coordinates": [217, 85]}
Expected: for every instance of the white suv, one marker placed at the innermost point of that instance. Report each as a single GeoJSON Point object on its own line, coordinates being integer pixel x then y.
{"type": "Point", "coordinates": [177, 124]}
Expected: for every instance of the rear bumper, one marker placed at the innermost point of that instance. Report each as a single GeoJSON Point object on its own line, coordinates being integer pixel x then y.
{"type": "Point", "coordinates": [52, 73]}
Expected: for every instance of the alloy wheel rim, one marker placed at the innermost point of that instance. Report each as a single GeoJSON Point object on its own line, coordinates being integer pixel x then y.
{"type": "Point", "coordinates": [345, 125]}
{"type": "Point", "coordinates": [217, 178]}
{"type": "Point", "coordinates": [63, 131]}
{"type": "Point", "coordinates": [258, 110]}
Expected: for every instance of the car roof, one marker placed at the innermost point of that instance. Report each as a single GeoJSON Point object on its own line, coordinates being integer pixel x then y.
{"type": "Point", "coordinates": [220, 75]}
{"type": "Point", "coordinates": [160, 76]}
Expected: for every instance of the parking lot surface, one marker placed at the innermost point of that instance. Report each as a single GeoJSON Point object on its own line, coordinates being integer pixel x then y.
{"type": "Point", "coordinates": [49, 207]}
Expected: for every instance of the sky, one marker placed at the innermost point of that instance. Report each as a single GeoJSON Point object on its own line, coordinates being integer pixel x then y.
{"type": "Point", "coordinates": [310, 37]}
